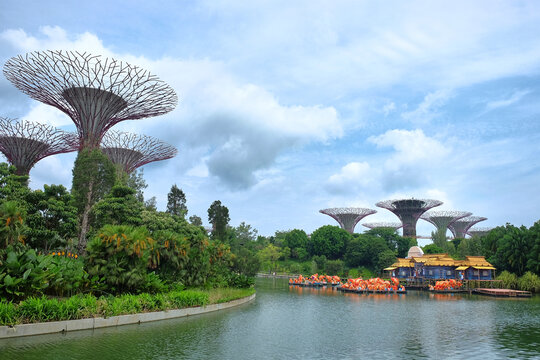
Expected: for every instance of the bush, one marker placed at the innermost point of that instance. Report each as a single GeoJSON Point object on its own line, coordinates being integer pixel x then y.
{"type": "Point", "coordinates": [334, 267]}
{"type": "Point", "coordinates": [529, 282]}
{"type": "Point", "coordinates": [509, 280]}
{"type": "Point", "coordinates": [8, 313]}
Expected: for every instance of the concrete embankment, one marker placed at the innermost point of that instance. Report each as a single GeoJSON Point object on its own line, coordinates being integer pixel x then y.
{"type": "Point", "coordinates": [99, 322]}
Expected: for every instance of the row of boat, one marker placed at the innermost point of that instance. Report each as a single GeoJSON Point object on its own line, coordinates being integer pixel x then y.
{"type": "Point", "coordinates": [358, 285]}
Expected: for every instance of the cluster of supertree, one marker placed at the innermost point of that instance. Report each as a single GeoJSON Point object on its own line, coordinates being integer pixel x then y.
{"type": "Point", "coordinates": [96, 93]}
{"type": "Point", "coordinates": [409, 211]}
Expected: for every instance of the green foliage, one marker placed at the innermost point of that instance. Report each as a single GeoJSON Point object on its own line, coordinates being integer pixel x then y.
{"type": "Point", "coordinates": [353, 273]}
{"type": "Point", "coordinates": [334, 267]}
{"type": "Point", "coordinates": [529, 282]}
{"type": "Point", "coordinates": [385, 259]}
{"type": "Point", "coordinates": [508, 279]}
{"type": "Point", "coordinates": [195, 220]}
{"type": "Point", "coordinates": [136, 181]}
{"type": "Point", "coordinates": [246, 262]}
{"type": "Point", "coordinates": [119, 207]}
{"type": "Point", "coordinates": [432, 249]}
{"type": "Point", "coordinates": [269, 255]}
{"type": "Point", "coordinates": [43, 309]}
{"type": "Point", "coordinates": [170, 260]}
{"type": "Point", "coordinates": [159, 220]}
{"type": "Point", "coordinates": [118, 256]}
{"type": "Point", "coordinates": [176, 202]}
{"type": "Point", "coordinates": [11, 223]}
{"type": "Point", "coordinates": [320, 262]}
{"type": "Point", "coordinates": [296, 239]}
{"type": "Point", "coordinates": [330, 241]}
{"type": "Point", "coordinates": [24, 273]}
{"type": "Point", "coordinates": [513, 250]}
{"type": "Point", "coordinates": [12, 186]}
{"type": "Point", "coordinates": [93, 177]}
{"type": "Point", "coordinates": [51, 218]}
{"type": "Point", "coordinates": [469, 247]}
{"type": "Point", "coordinates": [533, 237]}
{"type": "Point", "coordinates": [218, 216]}
{"type": "Point", "coordinates": [364, 250]}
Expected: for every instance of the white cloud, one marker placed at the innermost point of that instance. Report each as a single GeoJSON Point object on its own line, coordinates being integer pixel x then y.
{"type": "Point", "coordinates": [353, 177]}
{"type": "Point", "coordinates": [514, 98]}
{"type": "Point", "coordinates": [428, 109]}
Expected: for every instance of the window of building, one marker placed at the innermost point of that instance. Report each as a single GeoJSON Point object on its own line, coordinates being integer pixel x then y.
{"type": "Point", "coordinates": [485, 273]}
{"type": "Point", "coordinates": [448, 272]}
{"type": "Point", "coordinates": [430, 272]}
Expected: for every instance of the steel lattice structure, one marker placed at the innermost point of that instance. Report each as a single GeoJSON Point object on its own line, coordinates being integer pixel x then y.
{"type": "Point", "coordinates": [441, 219]}
{"type": "Point", "coordinates": [460, 227]}
{"type": "Point", "coordinates": [348, 217]}
{"type": "Point", "coordinates": [132, 151]}
{"type": "Point", "coordinates": [24, 143]}
{"type": "Point", "coordinates": [389, 225]}
{"type": "Point", "coordinates": [479, 231]}
{"type": "Point", "coordinates": [96, 93]}
{"type": "Point", "coordinates": [409, 211]}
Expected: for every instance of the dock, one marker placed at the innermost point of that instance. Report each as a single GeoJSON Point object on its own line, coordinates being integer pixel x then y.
{"type": "Point", "coordinates": [502, 292]}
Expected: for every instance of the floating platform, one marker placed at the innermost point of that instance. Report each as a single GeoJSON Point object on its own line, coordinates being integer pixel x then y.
{"type": "Point", "coordinates": [502, 292]}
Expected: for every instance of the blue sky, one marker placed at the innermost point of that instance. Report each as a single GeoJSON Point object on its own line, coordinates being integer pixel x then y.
{"type": "Point", "coordinates": [290, 107]}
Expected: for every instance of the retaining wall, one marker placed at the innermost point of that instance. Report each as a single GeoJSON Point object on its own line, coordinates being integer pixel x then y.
{"type": "Point", "coordinates": [99, 322]}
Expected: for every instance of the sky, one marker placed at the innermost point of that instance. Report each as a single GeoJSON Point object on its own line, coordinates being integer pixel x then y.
{"type": "Point", "coordinates": [289, 107]}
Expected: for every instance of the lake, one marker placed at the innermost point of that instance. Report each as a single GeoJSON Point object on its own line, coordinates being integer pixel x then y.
{"type": "Point", "coordinates": [314, 323]}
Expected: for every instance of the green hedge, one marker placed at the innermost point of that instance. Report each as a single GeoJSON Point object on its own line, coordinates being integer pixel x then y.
{"type": "Point", "coordinates": [43, 309]}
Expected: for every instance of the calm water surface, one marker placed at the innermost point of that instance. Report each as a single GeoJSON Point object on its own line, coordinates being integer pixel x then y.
{"type": "Point", "coordinates": [305, 323]}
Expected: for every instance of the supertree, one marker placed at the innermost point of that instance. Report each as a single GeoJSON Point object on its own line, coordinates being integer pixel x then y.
{"type": "Point", "coordinates": [441, 220]}
{"type": "Point", "coordinates": [479, 231]}
{"type": "Point", "coordinates": [460, 227]}
{"type": "Point", "coordinates": [132, 151]}
{"type": "Point", "coordinates": [348, 217]}
{"type": "Point", "coordinates": [409, 211]}
{"type": "Point", "coordinates": [96, 93]}
{"type": "Point", "coordinates": [389, 225]}
{"type": "Point", "coordinates": [24, 143]}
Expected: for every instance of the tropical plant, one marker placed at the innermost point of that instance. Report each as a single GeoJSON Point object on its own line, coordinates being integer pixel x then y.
{"type": "Point", "coordinates": [176, 202]}
{"type": "Point", "coordinates": [11, 223]}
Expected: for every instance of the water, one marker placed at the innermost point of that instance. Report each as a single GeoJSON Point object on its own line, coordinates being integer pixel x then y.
{"type": "Point", "coordinates": [306, 323]}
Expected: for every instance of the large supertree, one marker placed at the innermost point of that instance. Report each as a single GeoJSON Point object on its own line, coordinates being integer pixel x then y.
{"type": "Point", "coordinates": [131, 151]}
{"type": "Point", "coordinates": [409, 211]}
{"type": "Point", "coordinates": [348, 217]}
{"type": "Point", "coordinates": [24, 143]}
{"type": "Point", "coordinates": [95, 92]}
{"type": "Point", "coordinates": [479, 231]}
{"type": "Point", "coordinates": [441, 220]}
{"type": "Point", "coordinates": [460, 227]}
{"type": "Point", "coordinates": [388, 225]}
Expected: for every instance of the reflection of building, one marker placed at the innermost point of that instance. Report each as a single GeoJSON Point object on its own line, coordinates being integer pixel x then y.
{"type": "Point", "coordinates": [442, 266]}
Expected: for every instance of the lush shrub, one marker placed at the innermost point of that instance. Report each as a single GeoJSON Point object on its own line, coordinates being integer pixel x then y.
{"type": "Point", "coordinates": [509, 280]}
{"type": "Point", "coordinates": [188, 298]}
{"type": "Point", "coordinates": [529, 282]}
{"type": "Point", "coordinates": [118, 256]}
{"type": "Point", "coordinates": [8, 313]}
{"type": "Point", "coordinates": [334, 267]}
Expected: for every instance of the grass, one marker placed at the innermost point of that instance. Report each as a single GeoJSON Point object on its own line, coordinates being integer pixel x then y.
{"type": "Point", "coordinates": [43, 309]}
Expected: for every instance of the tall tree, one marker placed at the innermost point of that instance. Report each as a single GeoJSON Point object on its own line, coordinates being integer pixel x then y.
{"type": "Point", "coordinates": [136, 182]}
{"type": "Point", "coordinates": [93, 177]}
{"type": "Point", "coordinates": [195, 220]}
{"type": "Point", "coordinates": [330, 241]}
{"type": "Point", "coordinates": [176, 202]}
{"type": "Point", "coordinates": [218, 216]}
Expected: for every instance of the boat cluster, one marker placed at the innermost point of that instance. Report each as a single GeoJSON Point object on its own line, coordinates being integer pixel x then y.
{"type": "Point", "coordinates": [315, 280]}
{"type": "Point", "coordinates": [446, 285]}
{"type": "Point", "coordinates": [373, 285]}
{"type": "Point", "coordinates": [376, 285]}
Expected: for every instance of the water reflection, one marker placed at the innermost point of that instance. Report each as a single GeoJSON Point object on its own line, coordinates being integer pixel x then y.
{"type": "Point", "coordinates": [314, 323]}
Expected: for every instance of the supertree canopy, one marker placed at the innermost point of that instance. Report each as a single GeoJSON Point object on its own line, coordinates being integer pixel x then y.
{"type": "Point", "coordinates": [25, 143]}
{"type": "Point", "coordinates": [409, 211]}
{"type": "Point", "coordinates": [441, 219]}
{"type": "Point", "coordinates": [460, 227]}
{"type": "Point", "coordinates": [479, 231]}
{"type": "Point", "coordinates": [95, 92]}
{"type": "Point", "coordinates": [132, 151]}
{"type": "Point", "coordinates": [388, 225]}
{"type": "Point", "coordinates": [348, 217]}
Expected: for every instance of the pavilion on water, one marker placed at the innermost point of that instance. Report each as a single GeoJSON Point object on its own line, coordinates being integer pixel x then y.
{"type": "Point", "coordinates": [442, 266]}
